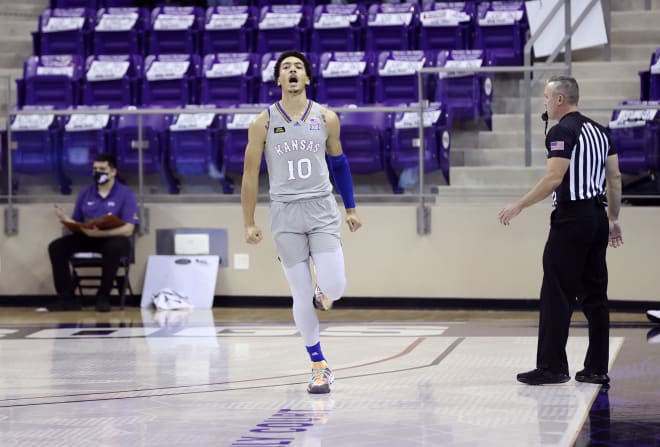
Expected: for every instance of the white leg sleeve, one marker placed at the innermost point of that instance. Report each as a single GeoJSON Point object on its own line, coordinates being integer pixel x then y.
{"type": "Point", "coordinates": [304, 314]}
{"type": "Point", "coordinates": [330, 273]}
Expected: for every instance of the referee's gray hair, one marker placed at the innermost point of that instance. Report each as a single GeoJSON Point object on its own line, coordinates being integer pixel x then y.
{"type": "Point", "coordinates": [566, 86]}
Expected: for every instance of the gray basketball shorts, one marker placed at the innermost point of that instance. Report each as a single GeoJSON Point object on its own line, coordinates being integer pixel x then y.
{"type": "Point", "coordinates": [305, 226]}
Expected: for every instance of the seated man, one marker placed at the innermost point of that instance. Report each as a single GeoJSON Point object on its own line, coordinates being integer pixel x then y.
{"type": "Point", "coordinates": [106, 196]}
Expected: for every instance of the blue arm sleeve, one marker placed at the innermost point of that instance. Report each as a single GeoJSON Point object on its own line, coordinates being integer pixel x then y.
{"type": "Point", "coordinates": [341, 172]}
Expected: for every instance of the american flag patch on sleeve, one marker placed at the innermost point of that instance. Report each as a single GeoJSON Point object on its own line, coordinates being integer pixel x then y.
{"type": "Point", "coordinates": [556, 145]}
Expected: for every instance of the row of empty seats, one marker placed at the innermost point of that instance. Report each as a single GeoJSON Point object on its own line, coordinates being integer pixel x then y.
{"type": "Point", "coordinates": [207, 144]}
{"type": "Point", "coordinates": [223, 80]}
{"type": "Point", "coordinates": [499, 27]}
{"type": "Point", "coordinates": [636, 135]}
{"type": "Point", "coordinates": [174, 74]}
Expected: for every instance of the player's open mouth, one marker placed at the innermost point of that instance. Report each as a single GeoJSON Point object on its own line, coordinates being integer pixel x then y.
{"type": "Point", "coordinates": [293, 79]}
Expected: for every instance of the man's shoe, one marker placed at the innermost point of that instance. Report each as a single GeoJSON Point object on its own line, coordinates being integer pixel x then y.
{"type": "Point", "coordinates": [322, 378]}
{"type": "Point", "coordinates": [321, 302]}
{"type": "Point", "coordinates": [64, 304]}
{"type": "Point", "coordinates": [103, 304]}
{"type": "Point", "coordinates": [653, 315]}
{"type": "Point", "coordinates": [542, 377]}
{"type": "Point", "coordinates": [587, 376]}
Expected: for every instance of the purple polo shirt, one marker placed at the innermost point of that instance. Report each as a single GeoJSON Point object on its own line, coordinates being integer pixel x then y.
{"type": "Point", "coordinates": [121, 202]}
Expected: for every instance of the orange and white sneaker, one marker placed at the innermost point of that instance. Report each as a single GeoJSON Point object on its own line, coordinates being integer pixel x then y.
{"type": "Point", "coordinates": [321, 301]}
{"type": "Point", "coordinates": [322, 378]}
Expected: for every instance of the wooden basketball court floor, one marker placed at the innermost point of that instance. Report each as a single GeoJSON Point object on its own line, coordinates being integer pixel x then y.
{"type": "Point", "coordinates": [237, 377]}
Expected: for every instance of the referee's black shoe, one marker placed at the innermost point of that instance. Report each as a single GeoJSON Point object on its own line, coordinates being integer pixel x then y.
{"type": "Point", "coordinates": [587, 376]}
{"type": "Point", "coordinates": [540, 376]}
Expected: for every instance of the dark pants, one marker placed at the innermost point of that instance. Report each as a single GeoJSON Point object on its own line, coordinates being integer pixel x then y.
{"type": "Point", "coordinates": [60, 250]}
{"type": "Point", "coordinates": [574, 268]}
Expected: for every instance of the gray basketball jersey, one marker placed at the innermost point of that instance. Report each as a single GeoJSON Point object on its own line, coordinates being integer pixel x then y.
{"type": "Point", "coordinates": [295, 155]}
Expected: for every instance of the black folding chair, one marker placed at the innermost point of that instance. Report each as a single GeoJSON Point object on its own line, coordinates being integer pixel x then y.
{"type": "Point", "coordinates": [83, 279]}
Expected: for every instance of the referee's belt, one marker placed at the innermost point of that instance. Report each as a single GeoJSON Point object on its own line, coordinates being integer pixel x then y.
{"type": "Point", "coordinates": [600, 199]}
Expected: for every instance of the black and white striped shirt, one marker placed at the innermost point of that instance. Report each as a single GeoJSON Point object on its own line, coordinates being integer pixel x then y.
{"type": "Point", "coordinates": [587, 145]}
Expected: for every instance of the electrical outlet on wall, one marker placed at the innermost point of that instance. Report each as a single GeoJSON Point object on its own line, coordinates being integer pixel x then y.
{"type": "Point", "coordinates": [241, 261]}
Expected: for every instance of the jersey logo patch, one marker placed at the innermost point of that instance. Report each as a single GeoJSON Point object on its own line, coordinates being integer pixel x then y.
{"type": "Point", "coordinates": [556, 145]}
{"type": "Point", "coordinates": [279, 130]}
{"type": "Point", "coordinates": [314, 124]}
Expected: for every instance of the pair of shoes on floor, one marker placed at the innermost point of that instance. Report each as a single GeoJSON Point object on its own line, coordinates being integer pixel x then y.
{"type": "Point", "coordinates": [103, 304]}
{"type": "Point", "coordinates": [320, 300]}
{"type": "Point", "coordinates": [65, 304]}
{"type": "Point", "coordinates": [588, 376]}
{"type": "Point", "coordinates": [322, 378]}
{"type": "Point", "coordinates": [653, 315]}
{"type": "Point", "coordinates": [540, 376]}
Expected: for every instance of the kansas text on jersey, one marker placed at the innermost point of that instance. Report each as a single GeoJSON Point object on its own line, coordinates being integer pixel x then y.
{"type": "Point", "coordinates": [295, 154]}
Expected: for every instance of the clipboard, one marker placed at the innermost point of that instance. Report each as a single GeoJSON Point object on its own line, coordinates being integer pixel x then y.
{"type": "Point", "coordinates": [107, 222]}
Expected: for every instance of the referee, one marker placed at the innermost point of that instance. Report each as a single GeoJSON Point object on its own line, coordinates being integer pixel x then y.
{"type": "Point", "coordinates": [581, 161]}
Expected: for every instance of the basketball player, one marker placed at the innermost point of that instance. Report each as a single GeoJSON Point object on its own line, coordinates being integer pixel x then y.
{"type": "Point", "coordinates": [295, 134]}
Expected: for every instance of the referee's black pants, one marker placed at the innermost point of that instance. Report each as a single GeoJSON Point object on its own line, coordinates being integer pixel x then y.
{"type": "Point", "coordinates": [574, 268]}
{"type": "Point", "coordinates": [112, 248]}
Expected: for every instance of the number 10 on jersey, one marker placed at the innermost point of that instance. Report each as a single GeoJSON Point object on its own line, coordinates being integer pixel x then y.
{"type": "Point", "coordinates": [304, 169]}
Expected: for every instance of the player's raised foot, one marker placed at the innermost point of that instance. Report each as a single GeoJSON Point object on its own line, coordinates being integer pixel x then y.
{"type": "Point", "coordinates": [321, 301]}
{"type": "Point", "coordinates": [322, 378]}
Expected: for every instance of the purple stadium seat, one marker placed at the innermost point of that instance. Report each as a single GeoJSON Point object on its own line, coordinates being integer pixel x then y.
{"type": "Point", "coordinates": [112, 80]}
{"type": "Point", "coordinates": [120, 30]}
{"type": "Point", "coordinates": [35, 140]}
{"type": "Point", "coordinates": [654, 77]}
{"type": "Point", "coordinates": [269, 92]}
{"type": "Point", "coordinates": [63, 31]}
{"type": "Point", "coordinates": [501, 29]}
{"type": "Point", "coordinates": [154, 137]}
{"type": "Point", "coordinates": [468, 97]}
{"type": "Point", "coordinates": [262, 3]}
{"type": "Point", "coordinates": [235, 138]}
{"type": "Point", "coordinates": [229, 29]}
{"type": "Point", "coordinates": [364, 138]}
{"type": "Point", "coordinates": [636, 136]}
{"type": "Point", "coordinates": [119, 3]}
{"type": "Point", "coordinates": [228, 79]}
{"type": "Point", "coordinates": [282, 27]}
{"type": "Point", "coordinates": [404, 155]}
{"type": "Point", "coordinates": [170, 80]}
{"type": "Point", "coordinates": [175, 29]}
{"type": "Point", "coordinates": [345, 78]}
{"type": "Point", "coordinates": [446, 25]}
{"type": "Point", "coordinates": [396, 76]}
{"type": "Point", "coordinates": [51, 81]}
{"type": "Point", "coordinates": [89, 4]}
{"type": "Point", "coordinates": [194, 147]}
{"type": "Point", "coordinates": [85, 136]}
{"type": "Point", "coordinates": [338, 28]}
{"type": "Point", "coordinates": [392, 27]}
